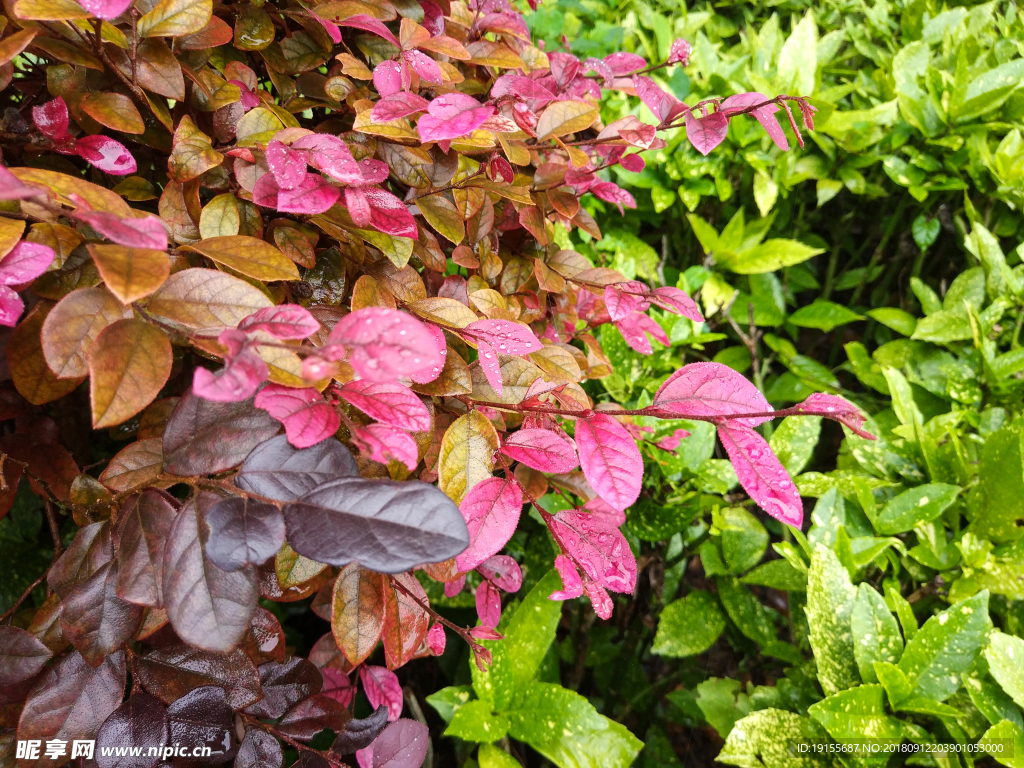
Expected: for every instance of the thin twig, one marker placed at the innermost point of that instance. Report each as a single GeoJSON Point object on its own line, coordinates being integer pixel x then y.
{"type": "Point", "coordinates": [9, 613]}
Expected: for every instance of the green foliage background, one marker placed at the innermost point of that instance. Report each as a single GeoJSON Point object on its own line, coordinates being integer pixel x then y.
{"type": "Point", "coordinates": [881, 261]}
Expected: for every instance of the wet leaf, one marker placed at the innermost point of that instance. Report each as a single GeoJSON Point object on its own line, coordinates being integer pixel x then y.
{"type": "Point", "coordinates": [129, 364]}
{"type": "Point", "coordinates": [130, 273]}
{"type": "Point", "coordinates": [248, 256]}
{"type": "Point", "coordinates": [357, 611]}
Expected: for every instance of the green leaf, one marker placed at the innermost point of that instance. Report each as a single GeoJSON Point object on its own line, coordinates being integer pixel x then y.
{"type": "Point", "coordinates": [689, 625]}
{"type": "Point", "coordinates": [794, 441]}
{"type": "Point", "coordinates": [722, 703]}
{"type": "Point", "coordinates": [896, 684]}
{"type": "Point", "coordinates": [1005, 742]}
{"type": "Point", "coordinates": [769, 256]}
{"type": "Point", "coordinates": [1005, 657]}
{"type": "Point", "coordinates": [946, 646]}
{"type": "Point", "coordinates": [475, 722]}
{"type": "Point", "coordinates": [564, 727]}
{"type": "Point", "coordinates": [830, 599]}
{"type": "Point", "coordinates": [448, 700]}
{"type": "Point", "coordinates": [943, 326]}
{"type": "Point", "coordinates": [490, 756]}
{"type": "Point", "coordinates": [798, 59]}
{"type": "Point", "coordinates": [769, 738]}
{"type": "Point", "coordinates": [876, 635]}
{"type": "Point", "coordinates": [824, 315]}
{"type": "Point", "coordinates": [895, 318]}
{"type": "Point", "coordinates": [777, 574]}
{"type": "Point", "coordinates": [988, 91]}
{"type": "Point", "coordinates": [925, 231]}
{"type": "Point", "coordinates": [516, 659]}
{"type": "Point", "coordinates": [747, 612]}
{"type": "Point", "coordinates": [918, 505]}
{"type": "Point", "coordinates": [1001, 484]}
{"type": "Point", "coordinates": [743, 539]}
{"type": "Point", "coordinates": [858, 713]}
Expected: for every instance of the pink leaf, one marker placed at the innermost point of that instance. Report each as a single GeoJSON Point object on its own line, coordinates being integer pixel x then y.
{"type": "Point", "coordinates": [308, 419]}
{"type": "Point", "coordinates": [680, 52]}
{"type": "Point", "coordinates": [144, 232]}
{"type": "Point", "coordinates": [451, 116]}
{"type": "Point", "coordinates": [12, 188]}
{"type": "Point", "coordinates": [541, 449]}
{"type": "Point", "coordinates": [807, 113]}
{"type": "Point", "coordinates": [389, 214]}
{"type": "Point", "coordinates": [490, 366]}
{"type": "Point", "coordinates": [604, 513]}
{"type": "Point", "coordinates": [501, 170]}
{"type": "Point", "coordinates": [675, 300]}
{"type": "Point", "coordinates": [372, 171]}
{"type": "Point", "coordinates": [507, 337]}
{"type": "Point", "coordinates": [358, 206]}
{"type": "Point", "coordinates": [710, 389]}
{"type": "Point", "coordinates": [427, 375]}
{"type": "Point", "coordinates": [601, 68]}
{"type": "Point", "coordinates": [624, 63]}
{"type": "Point", "coordinates": [610, 459]}
{"type": "Point", "coordinates": [332, 29]}
{"type": "Point", "coordinates": [488, 604]}
{"type": "Point", "coordinates": [367, 23]}
{"type": "Point", "coordinates": [633, 164]}
{"type": "Point", "coordinates": [337, 685]}
{"type": "Point", "coordinates": [761, 473]}
{"type": "Point", "coordinates": [381, 686]}
{"type": "Point", "coordinates": [384, 344]}
{"type": "Point", "coordinates": [424, 66]}
{"type": "Point", "coordinates": [11, 307]}
{"type": "Point", "coordinates": [765, 115]}
{"type": "Point", "coordinates": [384, 444]}
{"type": "Point", "coordinates": [613, 193]}
{"type": "Point", "coordinates": [364, 757]}
{"type": "Point", "coordinates": [600, 599]}
{"type": "Point", "coordinates": [483, 632]}
{"type": "Point", "coordinates": [396, 106]}
{"type": "Point", "coordinates": [52, 119]}
{"type": "Point", "coordinates": [238, 380]}
{"type": "Point", "coordinates": [671, 442]}
{"type": "Point", "coordinates": [105, 9]}
{"type": "Point", "coordinates": [623, 299]}
{"type": "Point", "coordinates": [312, 195]}
{"type": "Point", "coordinates": [452, 588]}
{"type": "Point", "coordinates": [832, 407]}
{"type": "Point", "coordinates": [572, 585]}
{"type": "Point", "coordinates": [389, 402]}
{"type": "Point", "coordinates": [288, 165]}
{"type": "Point", "coordinates": [106, 154]}
{"type": "Point", "coordinates": [503, 571]}
{"type": "Point", "coordinates": [387, 78]}
{"type": "Point", "coordinates": [249, 99]}
{"type": "Point", "coordinates": [564, 68]}
{"type": "Point", "coordinates": [664, 106]}
{"type": "Point", "coordinates": [403, 744]}
{"type": "Point", "coordinates": [520, 87]}
{"type": "Point", "coordinates": [436, 639]}
{"type": "Point", "coordinates": [633, 329]}
{"type": "Point", "coordinates": [433, 17]}
{"type": "Point", "coordinates": [332, 156]}
{"type": "Point", "coordinates": [491, 510]}
{"type": "Point", "coordinates": [601, 551]}
{"type": "Point", "coordinates": [284, 321]}
{"type": "Point", "coordinates": [706, 133]}
{"type": "Point", "coordinates": [25, 262]}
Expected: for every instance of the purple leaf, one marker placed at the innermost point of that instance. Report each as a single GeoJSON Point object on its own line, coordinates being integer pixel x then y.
{"type": "Point", "coordinates": [22, 655]}
{"type": "Point", "coordinates": [680, 52]}
{"type": "Point", "coordinates": [765, 115]}
{"type": "Point", "coordinates": [838, 408]}
{"type": "Point", "coordinates": [706, 133]}
{"type": "Point", "coordinates": [381, 687]}
{"type": "Point", "coordinates": [307, 417]}
{"type": "Point", "coordinates": [675, 300]}
{"type": "Point", "coordinates": [105, 9]}
{"type": "Point", "coordinates": [52, 119]}
{"type": "Point", "coordinates": [710, 390]}
{"type": "Point", "coordinates": [451, 116]}
{"type": "Point", "coordinates": [283, 321]}
{"type": "Point", "coordinates": [338, 687]}
{"type": "Point", "coordinates": [369, 24]}
{"type": "Point", "coordinates": [424, 66]}
{"type": "Point", "coordinates": [238, 380]}
{"type": "Point", "coordinates": [624, 63]}
{"type": "Point", "coordinates": [389, 402]}
{"type": "Point", "coordinates": [491, 510]}
{"type": "Point", "coordinates": [25, 262]}
{"type": "Point", "coordinates": [359, 734]}
{"type": "Point", "coordinates": [243, 532]}
{"type": "Point", "coordinates": [761, 473]}
{"type": "Point", "coordinates": [106, 154]}
{"type": "Point", "coordinates": [602, 552]}
{"type": "Point", "coordinates": [387, 78]}
{"type": "Point", "coordinates": [610, 459]}
{"type": "Point", "coordinates": [572, 585]}
{"type": "Point", "coordinates": [503, 571]}
{"type": "Point", "coordinates": [288, 165]}
{"type": "Point", "coordinates": [403, 744]}
{"type": "Point", "coordinates": [396, 106]}
{"type": "Point", "coordinates": [384, 444]}
{"type": "Point", "coordinates": [542, 449]}
{"type": "Point", "coordinates": [488, 604]}
{"type": "Point", "coordinates": [384, 344]}
{"type": "Point", "coordinates": [312, 195]}
{"type": "Point", "coordinates": [278, 471]}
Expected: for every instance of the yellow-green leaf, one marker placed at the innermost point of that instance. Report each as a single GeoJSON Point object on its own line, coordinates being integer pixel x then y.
{"type": "Point", "coordinates": [206, 300]}
{"type": "Point", "coordinates": [563, 117]}
{"type": "Point", "coordinates": [442, 215]}
{"type": "Point", "coordinates": [467, 454]}
{"type": "Point", "coordinates": [130, 273]}
{"type": "Point", "coordinates": [72, 326]}
{"type": "Point", "coordinates": [10, 233]}
{"type": "Point", "coordinates": [49, 10]}
{"type": "Point", "coordinates": [441, 310]}
{"type": "Point", "coordinates": [248, 256]}
{"type": "Point", "coordinates": [63, 185]}
{"type": "Point", "coordinates": [31, 375]}
{"type": "Point", "coordinates": [176, 18]}
{"type": "Point", "coordinates": [193, 153]}
{"type": "Point", "coordinates": [114, 110]}
{"type": "Point", "coordinates": [220, 217]}
{"type": "Point", "coordinates": [129, 365]}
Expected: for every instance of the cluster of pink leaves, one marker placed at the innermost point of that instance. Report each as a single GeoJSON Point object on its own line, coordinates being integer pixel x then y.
{"type": "Point", "coordinates": [22, 264]}
{"type": "Point", "coordinates": [105, 153]}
